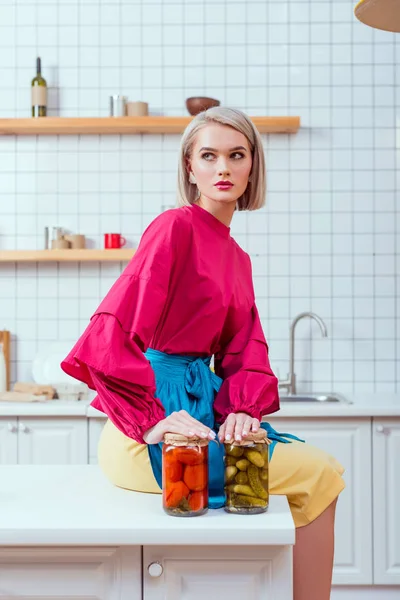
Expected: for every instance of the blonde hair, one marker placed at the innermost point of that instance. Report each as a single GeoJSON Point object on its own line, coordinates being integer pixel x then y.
{"type": "Point", "coordinates": [254, 195]}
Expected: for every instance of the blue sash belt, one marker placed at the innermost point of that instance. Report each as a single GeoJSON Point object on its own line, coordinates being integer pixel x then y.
{"type": "Point", "coordinates": [187, 383]}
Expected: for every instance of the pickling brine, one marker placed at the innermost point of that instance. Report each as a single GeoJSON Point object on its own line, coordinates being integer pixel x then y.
{"type": "Point", "coordinates": [185, 476]}
{"type": "Point", "coordinates": [246, 474]}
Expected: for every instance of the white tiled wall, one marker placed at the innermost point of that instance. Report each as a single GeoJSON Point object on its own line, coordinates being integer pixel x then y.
{"type": "Point", "coordinates": [328, 240]}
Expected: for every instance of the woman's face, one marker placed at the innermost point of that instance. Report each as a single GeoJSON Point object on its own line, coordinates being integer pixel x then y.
{"type": "Point", "coordinates": [220, 154]}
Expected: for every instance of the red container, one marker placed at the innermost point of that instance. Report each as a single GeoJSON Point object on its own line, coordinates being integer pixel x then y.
{"type": "Point", "coordinates": [114, 240]}
{"type": "Point", "coordinates": [185, 475]}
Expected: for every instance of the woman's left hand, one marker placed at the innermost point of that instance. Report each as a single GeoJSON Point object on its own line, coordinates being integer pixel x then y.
{"type": "Point", "coordinates": [237, 426]}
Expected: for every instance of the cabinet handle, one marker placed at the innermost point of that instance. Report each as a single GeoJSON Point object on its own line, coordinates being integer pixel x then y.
{"type": "Point", "coordinates": [23, 428]}
{"type": "Point", "coordinates": [382, 429]}
{"type": "Point", "coordinates": [12, 428]}
{"type": "Point", "coordinates": [155, 569]}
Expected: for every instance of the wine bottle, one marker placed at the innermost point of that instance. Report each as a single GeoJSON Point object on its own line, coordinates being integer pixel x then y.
{"type": "Point", "coordinates": [39, 92]}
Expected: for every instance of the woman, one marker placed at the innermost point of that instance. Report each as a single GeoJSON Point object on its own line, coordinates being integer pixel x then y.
{"type": "Point", "coordinates": [187, 295]}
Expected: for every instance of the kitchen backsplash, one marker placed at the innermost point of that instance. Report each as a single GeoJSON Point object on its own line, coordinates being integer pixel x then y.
{"type": "Point", "coordinates": [328, 240]}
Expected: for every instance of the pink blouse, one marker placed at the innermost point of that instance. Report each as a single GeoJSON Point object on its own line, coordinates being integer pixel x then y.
{"type": "Point", "coordinates": [187, 290]}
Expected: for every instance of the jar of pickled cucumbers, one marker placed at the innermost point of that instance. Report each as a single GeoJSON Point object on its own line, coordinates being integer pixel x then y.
{"type": "Point", "coordinates": [185, 475]}
{"type": "Point", "coordinates": [246, 474]}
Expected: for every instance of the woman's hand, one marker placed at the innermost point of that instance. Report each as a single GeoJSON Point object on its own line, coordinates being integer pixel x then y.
{"type": "Point", "coordinates": [177, 422]}
{"type": "Point", "coordinates": [237, 426]}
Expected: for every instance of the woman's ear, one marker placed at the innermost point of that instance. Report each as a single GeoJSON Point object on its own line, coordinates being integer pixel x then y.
{"type": "Point", "coordinates": [191, 176]}
{"type": "Point", "coordinates": [187, 166]}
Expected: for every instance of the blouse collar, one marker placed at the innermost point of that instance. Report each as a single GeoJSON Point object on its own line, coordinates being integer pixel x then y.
{"type": "Point", "coordinates": [211, 220]}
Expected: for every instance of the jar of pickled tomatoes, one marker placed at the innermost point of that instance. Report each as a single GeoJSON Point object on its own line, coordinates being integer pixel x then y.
{"type": "Point", "coordinates": [246, 474]}
{"type": "Point", "coordinates": [185, 475]}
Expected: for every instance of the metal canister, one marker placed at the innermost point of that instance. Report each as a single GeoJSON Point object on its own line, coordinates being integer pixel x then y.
{"type": "Point", "coordinates": [118, 106]}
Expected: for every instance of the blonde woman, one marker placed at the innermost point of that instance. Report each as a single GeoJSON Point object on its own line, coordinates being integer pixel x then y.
{"type": "Point", "coordinates": [187, 295]}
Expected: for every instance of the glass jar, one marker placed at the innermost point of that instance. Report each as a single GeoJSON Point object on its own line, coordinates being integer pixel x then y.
{"type": "Point", "coordinates": [185, 475]}
{"type": "Point", "coordinates": [246, 474]}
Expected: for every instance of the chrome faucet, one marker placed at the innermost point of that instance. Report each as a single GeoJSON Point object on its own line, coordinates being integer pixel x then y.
{"type": "Point", "coordinates": [290, 382]}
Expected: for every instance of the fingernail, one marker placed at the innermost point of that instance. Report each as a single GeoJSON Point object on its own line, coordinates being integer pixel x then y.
{"type": "Point", "coordinates": [203, 434]}
{"type": "Point", "coordinates": [228, 436]}
{"type": "Point", "coordinates": [244, 432]}
{"type": "Point", "coordinates": [211, 435]}
{"type": "Point", "coordinates": [190, 433]}
{"type": "Point", "coordinates": [238, 438]}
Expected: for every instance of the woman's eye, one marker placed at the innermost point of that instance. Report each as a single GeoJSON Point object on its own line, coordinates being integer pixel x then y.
{"type": "Point", "coordinates": [207, 155]}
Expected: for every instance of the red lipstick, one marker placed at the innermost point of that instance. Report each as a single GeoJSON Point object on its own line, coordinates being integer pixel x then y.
{"type": "Point", "coordinates": [224, 185]}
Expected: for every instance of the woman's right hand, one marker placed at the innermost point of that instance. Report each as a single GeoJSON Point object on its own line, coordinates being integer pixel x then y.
{"type": "Point", "coordinates": [178, 422]}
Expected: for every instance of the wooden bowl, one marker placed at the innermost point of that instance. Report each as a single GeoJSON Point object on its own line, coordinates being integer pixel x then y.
{"type": "Point", "coordinates": [196, 104]}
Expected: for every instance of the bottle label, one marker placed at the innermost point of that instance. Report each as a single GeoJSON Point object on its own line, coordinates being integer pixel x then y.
{"type": "Point", "coordinates": [39, 96]}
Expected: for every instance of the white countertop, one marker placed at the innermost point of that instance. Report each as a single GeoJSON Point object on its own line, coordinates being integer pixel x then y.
{"type": "Point", "coordinates": [48, 408]}
{"type": "Point", "coordinates": [364, 405]}
{"type": "Point", "coordinates": [77, 505]}
{"type": "Point", "coordinates": [372, 407]}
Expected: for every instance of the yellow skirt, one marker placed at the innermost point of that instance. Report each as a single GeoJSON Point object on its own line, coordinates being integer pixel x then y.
{"type": "Point", "coordinates": [309, 477]}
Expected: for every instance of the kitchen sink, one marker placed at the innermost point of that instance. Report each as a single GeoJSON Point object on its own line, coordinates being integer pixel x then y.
{"type": "Point", "coordinates": [321, 398]}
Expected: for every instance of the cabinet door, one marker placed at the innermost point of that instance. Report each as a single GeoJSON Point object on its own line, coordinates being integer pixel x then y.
{"type": "Point", "coordinates": [82, 573]}
{"type": "Point", "coordinates": [95, 428]}
{"type": "Point", "coordinates": [348, 440]}
{"type": "Point", "coordinates": [52, 441]}
{"type": "Point", "coordinates": [386, 478]}
{"type": "Point", "coordinates": [8, 441]}
{"type": "Point", "coordinates": [196, 573]}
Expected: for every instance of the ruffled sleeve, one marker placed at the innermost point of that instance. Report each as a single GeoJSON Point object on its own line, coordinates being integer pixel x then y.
{"type": "Point", "coordinates": [109, 356]}
{"type": "Point", "coordinates": [249, 384]}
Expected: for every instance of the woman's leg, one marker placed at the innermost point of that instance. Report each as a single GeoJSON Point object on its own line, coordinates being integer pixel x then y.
{"type": "Point", "coordinates": [311, 480]}
{"type": "Point", "coordinates": [313, 557]}
{"type": "Point", "coordinates": [125, 462]}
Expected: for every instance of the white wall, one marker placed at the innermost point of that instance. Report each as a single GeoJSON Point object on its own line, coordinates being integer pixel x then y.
{"type": "Point", "coordinates": [328, 240]}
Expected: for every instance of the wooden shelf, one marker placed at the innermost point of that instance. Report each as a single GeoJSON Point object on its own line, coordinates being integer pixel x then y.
{"type": "Point", "coordinates": [126, 125]}
{"type": "Point", "coordinates": [123, 254]}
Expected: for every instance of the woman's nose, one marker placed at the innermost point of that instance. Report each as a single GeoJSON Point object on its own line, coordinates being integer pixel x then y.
{"type": "Point", "coordinates": [223, 169]}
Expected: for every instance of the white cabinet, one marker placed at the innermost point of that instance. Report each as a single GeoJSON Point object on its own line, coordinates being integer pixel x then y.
{"type": "Point", "coordinates": [367, 509]}
{"type": "Point", "coordinates": [166, 572]}
{"type": "Point", "coordinates": [348, 440]}
{"type": "Point", "coordinates": [95, 428]}
{"type": "Point", "coordinates": [93, 573]}
{"type": "Point", "coordinates": [196, 573]}
{"type": "Point", "coordinates": [52, 441]}
{"type": "Point", "coordinates": [8, 440]}
{"type": "Point", "coordinates": [386, 497]}
{"type": "Point", "coordinates": [47, 440]}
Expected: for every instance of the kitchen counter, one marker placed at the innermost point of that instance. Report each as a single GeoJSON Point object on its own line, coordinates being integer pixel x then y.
{"type": "Point", "coordinates": [48, 408]}
{"type": "Point", "coordinates": [67, 532]}
{"type": "Point", "coordinates": [363, 405]}
{"type": "Point", "coordinates": [76, 505]}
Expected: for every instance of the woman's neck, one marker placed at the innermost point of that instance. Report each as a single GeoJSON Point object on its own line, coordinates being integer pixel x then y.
{"type": "Point", "coordinates": [220, 210]}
